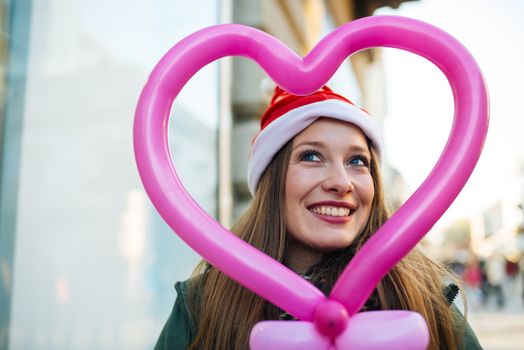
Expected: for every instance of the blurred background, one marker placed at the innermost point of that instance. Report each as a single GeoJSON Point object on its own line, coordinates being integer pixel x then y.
{"type": "Point", "coordinates": [86, 262]}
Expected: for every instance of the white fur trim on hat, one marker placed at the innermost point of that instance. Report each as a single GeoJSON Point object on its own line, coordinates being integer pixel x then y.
{"type": "Point", "coordinates": [275, 135]}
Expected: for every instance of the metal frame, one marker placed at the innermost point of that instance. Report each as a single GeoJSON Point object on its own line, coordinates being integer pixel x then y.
{"type": "Point", "coordinates": [17, 15]}
{"type": "Point", "coordinates": [225, 190]}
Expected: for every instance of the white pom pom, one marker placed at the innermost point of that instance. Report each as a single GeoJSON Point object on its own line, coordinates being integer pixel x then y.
{"type": "Point", "coordinates": [267, 88]}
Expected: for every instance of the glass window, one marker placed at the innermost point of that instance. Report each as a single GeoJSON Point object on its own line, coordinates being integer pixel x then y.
{"type": "Point", "coordinates": [94, 265]}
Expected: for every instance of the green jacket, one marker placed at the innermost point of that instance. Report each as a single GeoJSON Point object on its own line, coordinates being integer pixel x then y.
{"type": "Point", "coordinates": [179, 330]}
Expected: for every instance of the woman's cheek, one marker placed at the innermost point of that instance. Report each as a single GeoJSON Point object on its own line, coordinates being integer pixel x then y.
{"type": "Point", "coordinates": [366, 188]}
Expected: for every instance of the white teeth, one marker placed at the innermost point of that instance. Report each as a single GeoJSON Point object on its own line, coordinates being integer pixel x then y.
{"type": "Point", "coordinates": [331, 211]}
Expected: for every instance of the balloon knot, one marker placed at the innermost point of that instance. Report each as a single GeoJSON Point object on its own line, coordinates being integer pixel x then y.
{"type": "Point", "coordinates": [331, 318]}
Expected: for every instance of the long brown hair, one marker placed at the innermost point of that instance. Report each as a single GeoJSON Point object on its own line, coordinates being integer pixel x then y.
{"type": "Point", "coordinates": [226, 311]}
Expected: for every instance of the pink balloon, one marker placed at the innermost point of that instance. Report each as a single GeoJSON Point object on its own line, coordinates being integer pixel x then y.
{"type": "Point", "coordinates": [288, 335]}
{"type": "Point", "coordinates": [373, 330]}
{"type": "Point", "coordinates": [378, 330]}
{"type": "Point", "coordinates": [250, 267]}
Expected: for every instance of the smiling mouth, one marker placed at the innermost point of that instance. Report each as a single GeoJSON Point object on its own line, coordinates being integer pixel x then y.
{"type": "Point", "coordinates": [331, 211]}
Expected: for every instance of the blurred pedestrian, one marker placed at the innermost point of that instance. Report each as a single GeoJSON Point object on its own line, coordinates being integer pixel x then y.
{"type": "Point", "coordinates": [521, 268]}
{"type": "Point", "coordinates": [484, 284]}
{"type": "Point", "coordinates": [496, 270]}
{"type": "Point", "coordinates": [472, 277]}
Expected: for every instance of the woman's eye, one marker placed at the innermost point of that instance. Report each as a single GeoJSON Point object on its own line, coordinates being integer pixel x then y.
{"type": "Point", "coordinates": [359, 161]}
{"type": "Point", "coordinates": [310, 156]}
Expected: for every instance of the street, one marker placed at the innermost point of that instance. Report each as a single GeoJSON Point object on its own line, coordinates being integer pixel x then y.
{"type": "Point", "coordinates": [499, 328]}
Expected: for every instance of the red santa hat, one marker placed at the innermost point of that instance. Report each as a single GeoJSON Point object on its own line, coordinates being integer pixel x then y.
{"type": "Point", "coordinates": [287, 115]}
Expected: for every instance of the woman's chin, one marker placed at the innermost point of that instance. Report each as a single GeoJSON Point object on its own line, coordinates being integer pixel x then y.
{"type": "Point", "coordinates": [326, 247]}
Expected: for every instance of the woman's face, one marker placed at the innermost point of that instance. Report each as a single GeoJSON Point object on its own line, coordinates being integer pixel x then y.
{"type": "Point", "coordinates": [329, 188]}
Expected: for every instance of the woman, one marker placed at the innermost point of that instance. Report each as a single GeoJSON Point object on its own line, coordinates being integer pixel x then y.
{"type": "Point", "coordinates": [318, 197]}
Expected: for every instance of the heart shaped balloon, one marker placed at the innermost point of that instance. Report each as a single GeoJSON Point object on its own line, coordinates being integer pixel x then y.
{"type": "Point", "coordinates": [303, 75]}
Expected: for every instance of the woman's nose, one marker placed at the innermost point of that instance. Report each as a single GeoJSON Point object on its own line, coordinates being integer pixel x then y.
{"type": "Point", "coordinates": [338, 180]}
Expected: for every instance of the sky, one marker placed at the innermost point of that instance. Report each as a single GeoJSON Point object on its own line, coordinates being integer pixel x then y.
{"type": "Point", "coordinates": [420, 104]}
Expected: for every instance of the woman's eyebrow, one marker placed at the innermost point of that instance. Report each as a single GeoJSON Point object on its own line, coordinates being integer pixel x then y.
{"type": "Point", "coordinates": [319, 144]}
{"type": "Point", "coordinates": [309, 143]}
{"type": "Point", "coordinates": [358, 148]}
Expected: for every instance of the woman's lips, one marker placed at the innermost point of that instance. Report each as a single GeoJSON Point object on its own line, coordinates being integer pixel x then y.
{"type": "Point", "coordinates": [336, 204]}
{"type": "Point", "coordinates": [333, 212]}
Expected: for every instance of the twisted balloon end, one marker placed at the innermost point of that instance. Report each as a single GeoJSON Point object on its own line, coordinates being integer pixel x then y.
{"type": "Point", "coordinates": [331, 318]}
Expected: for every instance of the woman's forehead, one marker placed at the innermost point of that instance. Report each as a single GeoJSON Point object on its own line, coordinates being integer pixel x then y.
{"type": "Point", "coordinates": [331, 131]}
